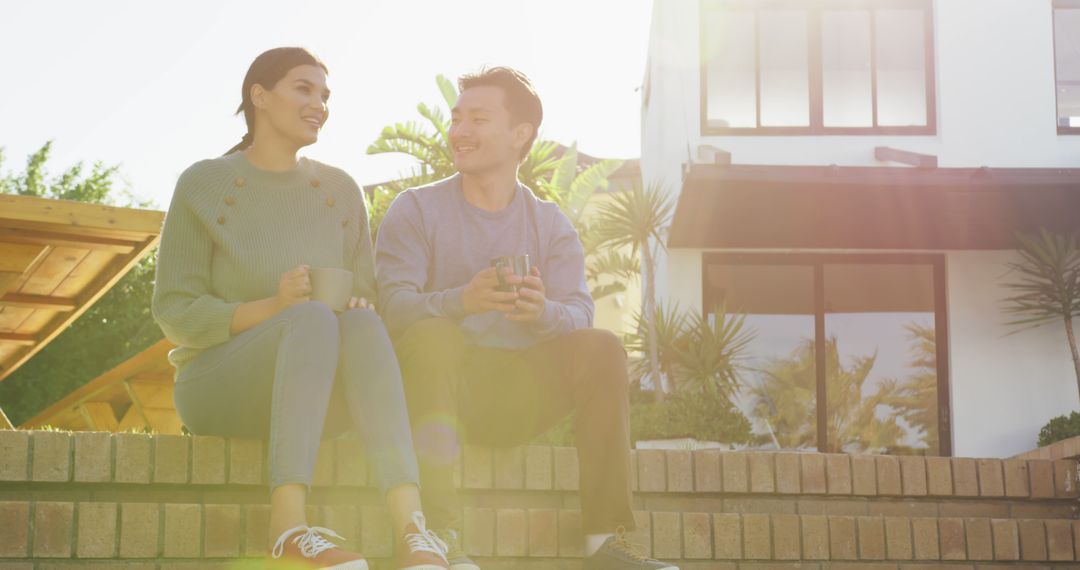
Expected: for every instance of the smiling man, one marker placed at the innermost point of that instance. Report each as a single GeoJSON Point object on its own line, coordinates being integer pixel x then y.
{"type": "Point", "coordinates": [500, 364]}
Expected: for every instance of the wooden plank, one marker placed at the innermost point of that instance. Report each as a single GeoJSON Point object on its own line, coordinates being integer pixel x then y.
{"type": "Point", "coordinates": [78, 214]}
{"type": "Point", "coordinates": [38, 321]}
{"type": "Point", "coordinates": [100, 416]}
{"type": "Point", "coordinates": [60, 239]}
{"type": "Point", "coordinates": [79, 278]}
{"type": "Point", "coordinates": [98, 287]}
{"type": "Point", "coordinates": [8, 279]}
{"type": "Point", "coordinates": [132, 420]}
{"type": "Point", "coordinates": [5, 423]}
{"type": "Point", "coordinates": [16, 257]}
{"type": "Point", "coordinates": [164, 421]}
{"type": "Point", "coordinates": [46, 302]}
{"type": "Point", "coordinates": [52, 271]}
{"type": "Point", "coordinates": [18, 338]}
{"type": "Point", "coordinates": [12, 317]}
{"type": "Point", "coordinates": [154, 394]}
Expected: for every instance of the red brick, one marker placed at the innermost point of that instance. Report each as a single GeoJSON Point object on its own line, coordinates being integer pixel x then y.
{"type": "Point", "coordinates": [96, 530]}
{"type": "Point", "coordinates": [543, 532]}
{"type": "Point", "coordinates": [786, 537]}
{"type": "Point", "coordinates": [898, 545]}
{"type": "Point", "coordinates": [14, 455]}
{"type": "Point", "coordinates": [133, 458]}
{"type": "Point", "coordinates": [697, 536]}
{"type": "Point", "coordinates": [566, 468]}
{"type": "Point", "coordinates": [478, 466]}
{"type": "Point", "coordinates": [1016, 478]}
{"type": "Point", "coordinates": [221, 533]}
{"type": "Point", "coordinates": [991, 480]}
{"type": "Point", "coordinates": [913, 475]}
{"type": "Point", "coordinates": [1006, 539]}
{"type": "Point", "coordinates": [979, 541]}
{"type": "Point", "coordinates": [246, 461]}
{"type": "Point", "coordinates": [93, 457]}
{"type": "Point", "coordinates": [642, 535]}
{"type": "Point", "coordinates": [761, 473]}
{"type": "Point", "coordinates": [511, 538]}
{"type": "Point", "coordinates": [479, 532]}
{"type": "Point", "coordinates": [925, 536]}
{"type": "Point", "coordinates": [256, 529]}
{"type": "Point", "coordinates": [815, 537]}
{"type": "Point", "coordinates": [1076, 538]}
{"type": "Point", "coordinates": [171, 458]}
{"type": "Point", "coordinates": [510, 468]}
{"type": "Point", "coordinates": [863, 475]}
{"type": "Point", "coordinates": [939, 476]}
{"type": "Point", "coordinates": [51, 456]}
{"type": "Point", "coordinates": [1065, 478]}
{"type": "Point", "coordinates": [377, 531]}
{"type": "Point", "coordinates": [727, 536]}
{"type": "Point", "coordinates": [706, 471]}
{"type": "Point", "coordinates": [323, 473]}
{"type": "Point", "coordinates": [570, 533]}
{"type": "Point", "coordinates": [1033, 540]}
{"type": "Point", "coordinates": [842, 543]}
{"type": "Point", "coordinates": [652, 470]}
{"type": "Point", "coordinates": [734, 466]}
{"type": "Point", "coordinates": [207, 460]}
{"type": "Point", "coordinates": [888, 475]}
{"type": "Point", "coordinates": [1042, 479]}
{"type": "Point", "coordinates": [757, 543]}
{"type": "Point", "coordinates": [139, 530]}
{"type": "Point", "coordinates": [15, 520]}
{"type": "Point", "coordinates": [953, 539]}
{"type": "Point", "coordinates": [812, 473]}
{"type": "Point", "coordinates": [788, 473]}
{"type": "Point", "coordinates": [351, 468]}
{"type": "Point", "coordinates": [539, 474]}
{"type": "Point", "coordinates": [838, 473]}
{"type": "Point", "coordinates": [901, 508]}
{"type": "Point", "coordinates": [667, 535]}
{"type": "Point", "coordinates": [680, 471]}
{"type": "Point", "coordinates": [1059, 539]}
{"type": "Point", "coordinates": [183, 530]}
{"type": "Point", "coordinates": [53, 527]}
{"type": "Point", "coordinates": [342, 519]}
{"type": "Point", "coordinates": [965, 477]}
{"type": "Point", "coordinates": [871, 538]}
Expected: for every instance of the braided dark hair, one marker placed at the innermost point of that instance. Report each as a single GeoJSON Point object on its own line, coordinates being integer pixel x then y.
{"type": "Point", "coordinates": [267, 70]}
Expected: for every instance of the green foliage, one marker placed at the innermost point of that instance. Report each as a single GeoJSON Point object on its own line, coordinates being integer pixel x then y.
{"type": "Point", "coordinates": [117, 327]}
{"type": "Point", "coordinates": [916, 397]}
{"type": "Point", "coordinates": [635, 217]}
{"type": "Point", "coordinates": [1059, 428]}
{"type": "Point", "coordinates": [1048, 283]}
{"type": "Point", "coordinates": [705, 416]}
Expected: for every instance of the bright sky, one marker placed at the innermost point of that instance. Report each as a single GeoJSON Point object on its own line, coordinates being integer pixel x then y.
{"type": "Point", "coordinates": [151, 86]}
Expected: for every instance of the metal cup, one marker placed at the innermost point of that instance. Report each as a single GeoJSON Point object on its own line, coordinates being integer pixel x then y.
{"type": "Point", "coordinates": [513, 265]}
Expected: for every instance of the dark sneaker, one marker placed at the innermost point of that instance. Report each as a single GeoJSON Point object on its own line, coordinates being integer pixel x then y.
{"type": "Point", "coordinates": [619, 554]}
{"type": "Point", "coordinates": [454, 552]}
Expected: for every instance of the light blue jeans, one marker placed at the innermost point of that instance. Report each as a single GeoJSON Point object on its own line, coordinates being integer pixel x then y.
{"type": "Point", "coordinates": [301, 375]}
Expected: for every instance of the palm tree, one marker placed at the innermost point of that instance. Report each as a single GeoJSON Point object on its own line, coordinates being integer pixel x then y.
{"type": "Point", "coordinates": [1048, 287]}
{"type": "Point", "coordinates": [636, 219]}
{"type": "Point", "coordinates": [916, 398]}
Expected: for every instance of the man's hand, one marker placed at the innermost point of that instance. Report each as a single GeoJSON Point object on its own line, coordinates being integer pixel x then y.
{"type": "Point", "coordinates": [531, 299]}
{"type": "Point", "coordinates": [480, 295]}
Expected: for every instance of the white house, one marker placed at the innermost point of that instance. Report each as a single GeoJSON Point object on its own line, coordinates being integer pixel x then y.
{"type": "Point", "coordinates": [855, 171]}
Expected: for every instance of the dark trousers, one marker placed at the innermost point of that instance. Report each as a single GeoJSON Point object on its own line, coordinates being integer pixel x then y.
{"type": "Point", "coordinates": [459, 393]}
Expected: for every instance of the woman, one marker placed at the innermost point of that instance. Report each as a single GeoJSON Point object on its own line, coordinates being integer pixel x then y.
{"type": "Point", "coordinates": [257, 357]}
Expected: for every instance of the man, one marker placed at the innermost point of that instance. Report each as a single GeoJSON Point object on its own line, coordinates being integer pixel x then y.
{"type": "Point", "coordinates": [499, 365]}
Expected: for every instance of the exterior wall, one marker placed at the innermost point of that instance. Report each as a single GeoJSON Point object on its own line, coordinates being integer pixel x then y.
{"type": "Point", "coordinates": [995, 107]}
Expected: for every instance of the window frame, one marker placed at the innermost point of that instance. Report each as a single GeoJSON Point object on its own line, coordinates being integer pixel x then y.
{"type": "Point", "coordinates": [1060, 5]}
{"type": "Point", "coordinates": [818, 261]}
{"type": "Point", "coordinates": [814, 64]}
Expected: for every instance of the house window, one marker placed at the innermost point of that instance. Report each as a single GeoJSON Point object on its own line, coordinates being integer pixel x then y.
{"type": "Point", "coordinates": [863, 333]}
{"type": "Point", "coordinates": [1067, 64]}
{"type": "Point", "coordinates": [791, 67]}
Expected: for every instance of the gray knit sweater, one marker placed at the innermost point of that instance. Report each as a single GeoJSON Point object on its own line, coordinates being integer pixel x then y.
{"type": "Point", "coordinates": [233, 229]}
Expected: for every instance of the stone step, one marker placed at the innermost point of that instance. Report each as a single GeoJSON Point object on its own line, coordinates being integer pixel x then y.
{"type": "Point", "coordinates": [40, 531]}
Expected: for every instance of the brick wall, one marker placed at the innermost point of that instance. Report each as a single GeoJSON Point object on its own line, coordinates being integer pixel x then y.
{"type": "Point", "coordinates": [136, 501]}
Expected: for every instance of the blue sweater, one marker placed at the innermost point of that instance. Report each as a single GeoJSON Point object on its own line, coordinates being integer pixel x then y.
{"type": "Point", "coordinates": [433, 241]}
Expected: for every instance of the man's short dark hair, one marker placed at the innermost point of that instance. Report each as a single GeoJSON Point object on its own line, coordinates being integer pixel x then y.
{"type": "Point", "coordinates": [521, 100]}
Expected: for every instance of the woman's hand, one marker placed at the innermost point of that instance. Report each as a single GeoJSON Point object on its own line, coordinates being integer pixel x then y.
{"type": "Point", "coordinates": [360, 303]}
{"type": "Point", "coordinates": [294, 286]}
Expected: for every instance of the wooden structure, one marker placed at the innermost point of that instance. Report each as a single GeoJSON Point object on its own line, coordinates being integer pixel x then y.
{"type": "Point", "coordinates": [137, 394]}
{"type": "Point", "coordinates": [56, 259]}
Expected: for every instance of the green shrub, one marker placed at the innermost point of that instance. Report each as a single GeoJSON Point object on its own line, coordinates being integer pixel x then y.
{"type": "Point", "coordinates": [701, 415]}
{"type": "Point", "coordinates": [1059, 428]}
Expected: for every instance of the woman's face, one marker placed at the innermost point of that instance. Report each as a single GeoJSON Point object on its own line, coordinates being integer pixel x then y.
{"type": "Point", "coordinates": [295, 109]}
